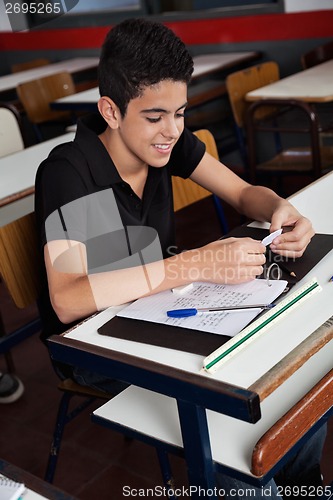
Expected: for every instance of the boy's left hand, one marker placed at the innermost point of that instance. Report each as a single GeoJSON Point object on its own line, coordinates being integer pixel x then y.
{"type": "Point", "coordinates": [293, 242]}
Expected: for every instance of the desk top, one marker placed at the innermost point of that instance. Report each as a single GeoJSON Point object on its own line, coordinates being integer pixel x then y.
{"type": "Point", "coordinates": [17, 174]}
{"type": "Point", "coordinates": [8, 82]}
{"type": "Point", "coordinates": [311, 85]}
{"type": "Point", "coordinates": [211, 63]}
{"type": "Point", "coordinates": [37, 489]}
{"type": "Point", "coordinates": [204, 65]}
{"type": "Point", "coordinates": [302, 321]}
{"type": "Point", "coordinates": [86, 97]}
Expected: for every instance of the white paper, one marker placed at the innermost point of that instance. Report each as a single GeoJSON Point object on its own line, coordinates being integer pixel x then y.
{"type": "Point", "coordinates": [10, 489]}
{"type": "Point", "coordinates": [155, 307]}
{"type": "Point", "coordinates": [268, 239]}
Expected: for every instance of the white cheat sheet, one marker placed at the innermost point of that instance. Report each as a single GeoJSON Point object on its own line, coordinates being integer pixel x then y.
{"type": "Point", "coordinates": [258, 291]}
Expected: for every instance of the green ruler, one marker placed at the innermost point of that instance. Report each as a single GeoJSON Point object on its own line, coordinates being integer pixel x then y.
{"type": "Point", "coordinates": [256, 328]}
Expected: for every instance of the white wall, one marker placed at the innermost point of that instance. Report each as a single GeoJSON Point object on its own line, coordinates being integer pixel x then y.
{"type": "Point", "coordinates": [4, 23]}
{"type": "Point", "coordinates": [18, 19]}
{"type": "Point", "coordinates": [305, 5]}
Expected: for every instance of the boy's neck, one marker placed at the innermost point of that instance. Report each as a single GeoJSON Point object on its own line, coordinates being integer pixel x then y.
{"type": "Point", "coordinates": [131, 171]}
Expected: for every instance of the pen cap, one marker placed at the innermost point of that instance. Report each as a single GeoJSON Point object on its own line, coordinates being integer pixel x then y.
{"type": "Point", "coordinates": [182, 313]}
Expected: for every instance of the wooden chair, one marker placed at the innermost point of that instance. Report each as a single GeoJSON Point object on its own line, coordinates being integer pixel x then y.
{"type": "Point", "coordinates": [313, 160]}
{"type": "Point", "coordinates": [35, 63]}
{"type": "Point", "coordinates": [238, 84]}
{"type": "Point", "coordinates": [271, 116]}
{"type": "Point", "coordinates": [19, 267]}
{"type": "Point", "coordinates": [317, 55]}
{"type": "Point", "coordinates": [186, 192]}
{"type": "Point", "coordinates": [11, 140]}
{"type": "Point", "coordinates": [11, 131]}
{"type": "Point", "coordinates": [20, 270]}
{"type": "Point", "coordinates": [36, 96]}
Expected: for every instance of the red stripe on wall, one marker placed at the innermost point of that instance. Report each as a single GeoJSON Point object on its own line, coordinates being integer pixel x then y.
{"type": "Point", "coordinates": [318, 24]}
{"type": "Point", "coordinates": [71, 38]}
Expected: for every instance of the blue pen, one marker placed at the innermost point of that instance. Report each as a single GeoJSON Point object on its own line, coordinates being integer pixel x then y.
{"type": "Point", "coordinates": [331, 278]}
{"type": "Point", "coordinates": [185, 313]}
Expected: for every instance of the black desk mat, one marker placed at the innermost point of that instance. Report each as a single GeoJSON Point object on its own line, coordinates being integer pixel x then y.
{"type": "Point", "coordinates": [318, 247]}
{"type": "Point", "coordinates": [203, 343]}
{"type": "Point", "coordinates": [172, 337]}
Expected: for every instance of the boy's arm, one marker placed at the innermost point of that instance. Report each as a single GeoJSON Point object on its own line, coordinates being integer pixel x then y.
{"type": "Point", "coordinates": [258, 203]}
{"type": "Point", "coordinates": [75, 293]}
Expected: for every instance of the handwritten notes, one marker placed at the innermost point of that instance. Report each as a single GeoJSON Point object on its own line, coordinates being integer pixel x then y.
{"type": "Point", "coordinates": [154, 308]}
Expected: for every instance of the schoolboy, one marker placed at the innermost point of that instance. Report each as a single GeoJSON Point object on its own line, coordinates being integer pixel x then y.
{"type": "Point", "coordinates": [104, 202]}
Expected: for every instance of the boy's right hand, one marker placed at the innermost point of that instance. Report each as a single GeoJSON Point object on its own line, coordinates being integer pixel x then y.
{"type": "Point", "coordinates": [231, 260]}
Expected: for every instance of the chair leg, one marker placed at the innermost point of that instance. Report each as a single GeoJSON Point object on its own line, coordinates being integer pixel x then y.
{"type": "Point", "coordinates": [9, 362]}
{"type": "Point", "coordinates": [7, 354]}
{"type": "Point", "coordinates": [166, 472]}
{"type": "Point", "coordinates": [63, 418]}
{"type": "Point", "coordinates": [58, 432]}
{"type": "Point", "coordinates": [38, 132]}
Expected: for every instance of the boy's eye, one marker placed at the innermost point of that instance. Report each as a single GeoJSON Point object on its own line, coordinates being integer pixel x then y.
{"type": "Point", "coordinates": [158, 118]}
{"type": "Point", "coordinates": [153, 120]}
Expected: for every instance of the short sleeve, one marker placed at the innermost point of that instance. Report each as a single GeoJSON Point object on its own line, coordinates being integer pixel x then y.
{"type": "Point", "coordinates": [57, 184]}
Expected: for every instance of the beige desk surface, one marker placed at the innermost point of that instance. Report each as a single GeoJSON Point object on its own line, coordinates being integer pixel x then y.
{"type": "Point", "coordinates": [75, 65]}
{"type": "Point", "coordinates": [203, 65]}
{"type": "Point", "coordinates": [311, 85]}
{"type": "Point", "coordinates": [211, 63]}
{"type": "Point", "coordinates": [17, 174]}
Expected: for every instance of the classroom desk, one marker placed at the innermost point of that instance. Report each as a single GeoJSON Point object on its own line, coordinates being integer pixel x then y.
{"type": "Point", "coordinates": [205, 65]}
{"type": "Point", "coordinates": [17, 174]}
{"type": "Point", "coordinates": [75, 65]}
{"type": "Point", "coordinates": [208, 64]}
{"type": "Point", "coordinates": [311, 85]}
{"type": "Point", "coordinates": [178, 374]}
{"type": "Point", "coordinates": [37, 489]}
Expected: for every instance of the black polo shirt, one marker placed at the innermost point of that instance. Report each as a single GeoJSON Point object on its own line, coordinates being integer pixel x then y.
{"type": "Point", "coordinates": [81, 196]}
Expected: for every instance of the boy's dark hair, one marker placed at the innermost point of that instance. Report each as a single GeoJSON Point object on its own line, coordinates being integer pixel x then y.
{"type": "Point", "coordinates": [137, 53]}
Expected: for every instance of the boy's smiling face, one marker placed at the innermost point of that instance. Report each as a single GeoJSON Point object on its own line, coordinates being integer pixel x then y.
{"type": "Point", "coordinates": [153, 123]}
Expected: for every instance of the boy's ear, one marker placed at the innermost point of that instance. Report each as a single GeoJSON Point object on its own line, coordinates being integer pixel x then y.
{"type": "Point", "coordinates": [110, 111]}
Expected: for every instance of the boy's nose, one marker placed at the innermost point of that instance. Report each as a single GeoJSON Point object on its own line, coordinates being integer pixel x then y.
{"type": "Point", "coordinates": [171, 130]}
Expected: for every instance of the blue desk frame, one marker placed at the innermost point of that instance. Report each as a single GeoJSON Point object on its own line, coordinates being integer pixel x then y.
{"type": "Point", "coordinates": [194, 394]}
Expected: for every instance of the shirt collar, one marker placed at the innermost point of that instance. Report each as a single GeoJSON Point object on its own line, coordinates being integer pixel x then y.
{"type": "Point", "coordinates": [100, 164]}
{"type": "Point", "coordinates": [99, 161]}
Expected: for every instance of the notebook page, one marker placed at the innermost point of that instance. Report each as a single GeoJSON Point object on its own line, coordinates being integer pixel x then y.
{"type": "Point", "coordinates": [9, 489]}
{"type": "Point", "coordinates": [155, 307]}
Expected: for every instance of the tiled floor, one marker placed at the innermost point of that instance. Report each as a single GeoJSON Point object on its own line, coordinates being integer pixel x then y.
{"type": "Point", "coordinates": [94, 463]}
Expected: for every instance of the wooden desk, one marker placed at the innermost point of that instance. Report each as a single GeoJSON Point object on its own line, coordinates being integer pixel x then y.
{"type": "Point", "coordinates": [76, 65]}
{"type": "Point", "coordinates": [199, 91]}
{"type": "Point", "coordinates": [311, 85]}
{"type": "Point", "coordinates": [17, 174]}
{"type": "Point", "coordinates": [177, 374]}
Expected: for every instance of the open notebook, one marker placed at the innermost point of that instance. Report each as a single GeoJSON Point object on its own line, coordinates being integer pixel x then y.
{"type": "Point", "coordinates": [9, 489]}
{"type": "Point", "coordinates": [155, 307]}
{"type": "Point", "coordinates": [146, 320]}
